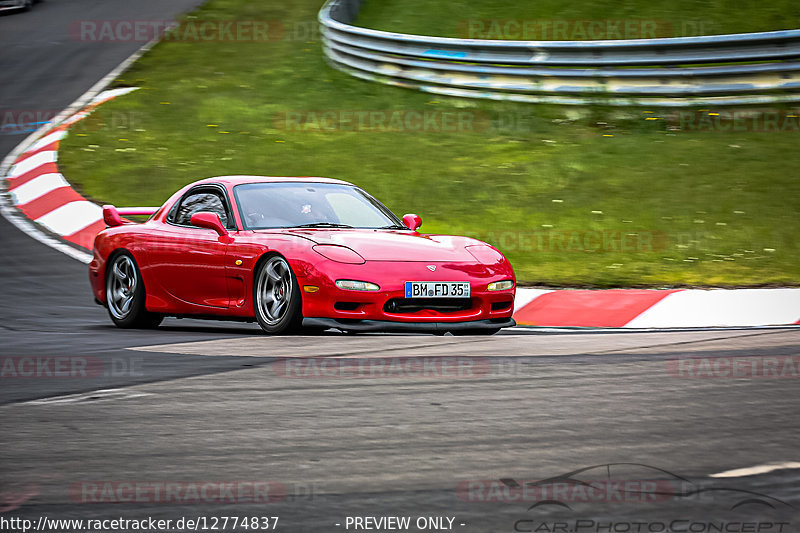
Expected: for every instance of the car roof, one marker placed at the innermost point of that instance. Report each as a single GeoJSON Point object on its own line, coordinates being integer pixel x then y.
{"type": "Point", "coordinates": [239, 180]}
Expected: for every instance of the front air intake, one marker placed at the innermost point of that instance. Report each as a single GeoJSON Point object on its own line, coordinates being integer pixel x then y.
{"type": "Point", "coordinates": [415, 305]}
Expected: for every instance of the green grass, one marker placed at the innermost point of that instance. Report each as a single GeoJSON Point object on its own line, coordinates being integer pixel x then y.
{"type": "Point", "coordinates": [676, 18]}
{"type": "Point", "coordinates": [724, 207]}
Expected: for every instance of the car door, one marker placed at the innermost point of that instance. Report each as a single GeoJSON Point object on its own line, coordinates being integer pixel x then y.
{"type": "Point", "coordinates": [188, 261]}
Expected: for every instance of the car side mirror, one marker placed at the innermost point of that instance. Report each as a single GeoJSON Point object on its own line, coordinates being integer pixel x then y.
{"type": "Point", "coordinates": [412, 222]}
{"type": "Point", "coordinates": [207, 219]}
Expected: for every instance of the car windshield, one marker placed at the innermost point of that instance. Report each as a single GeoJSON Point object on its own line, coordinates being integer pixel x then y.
{"type": "Point", "coordinates": [309, 205]}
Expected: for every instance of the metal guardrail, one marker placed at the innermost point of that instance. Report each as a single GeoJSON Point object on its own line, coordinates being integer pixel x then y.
{"type": "Point", "coordinates": [747, 68]}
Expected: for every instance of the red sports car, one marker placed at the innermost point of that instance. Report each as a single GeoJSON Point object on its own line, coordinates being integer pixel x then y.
{"type": "Point", "coordinates": [295, 253]}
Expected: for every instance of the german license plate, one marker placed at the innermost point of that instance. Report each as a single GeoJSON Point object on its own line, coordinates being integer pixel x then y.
{"type": "Point", "coordinates": [437, 289]}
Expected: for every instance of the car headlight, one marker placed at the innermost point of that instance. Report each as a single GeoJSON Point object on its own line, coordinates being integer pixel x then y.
{"type": "Point", "coordinates": [354, 285]}
{"type": "Point", "coordinates": [501, 285]}
{"type": "Point", "coordinates": [340, 254]}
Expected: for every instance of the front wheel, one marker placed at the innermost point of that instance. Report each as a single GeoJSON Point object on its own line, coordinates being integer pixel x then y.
{"type": "Point", "coordinates": [276, 297]}
{"type": "Point", "coordinates": [125, 294]}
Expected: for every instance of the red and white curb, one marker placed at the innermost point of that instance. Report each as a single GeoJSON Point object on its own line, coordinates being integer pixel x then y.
{"type": "Point", "coordinates": [41, 193]}
{"type": "Point", "coordinates": [656, 309]}
{"type": "Point", "coordinates": [37, 188]}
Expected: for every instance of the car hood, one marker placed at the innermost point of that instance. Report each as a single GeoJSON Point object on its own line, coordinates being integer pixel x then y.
{"type": "Point", "coordinates": [389, 245]}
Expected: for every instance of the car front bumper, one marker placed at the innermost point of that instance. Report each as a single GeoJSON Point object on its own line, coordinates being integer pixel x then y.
{"type": "Point", "coordinates": [390, 305]}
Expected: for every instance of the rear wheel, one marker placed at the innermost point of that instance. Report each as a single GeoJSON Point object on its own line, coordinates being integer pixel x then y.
{"type": "Point", "coordinates": [276, 296]}
{"type": "Point", "coordinates": [125, 294]}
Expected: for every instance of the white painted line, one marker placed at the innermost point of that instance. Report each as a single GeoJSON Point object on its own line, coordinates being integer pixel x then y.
{"type": "Point", "coordinates": [105, 394]}
{"type": "Point", "coordinates": [112, 93]}
{"type": "Point", "coordinates": [77, 117]}
{"type": "Point", "coordinates": [99, 99]}
{"type": "Point", "coordinates": [590, 331]}
{"type": "Point", "coordinates": [37, 187]}
{"type": "Point", "coordinates": [526, 296]}
{"type": "Point", "coordinates": [30, 163]}
{"type": "Point", "coordinates": [48, 139]}
{"type": "Point", "coordinates": [722, 308]}
{"type": "Point", "coordinates": [754, 470]}
{"type": "Point", "coordinates": [71, 217]}
{"type": "Point", "coordinates": [11, 213]}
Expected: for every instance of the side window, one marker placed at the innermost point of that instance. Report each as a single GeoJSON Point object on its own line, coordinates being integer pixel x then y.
{"type": "Point", "coordinates": [200, 201]}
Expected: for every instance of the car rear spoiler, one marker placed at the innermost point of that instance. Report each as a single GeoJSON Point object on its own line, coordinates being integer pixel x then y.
{"type": "Point", "coordinates": [113, 216]}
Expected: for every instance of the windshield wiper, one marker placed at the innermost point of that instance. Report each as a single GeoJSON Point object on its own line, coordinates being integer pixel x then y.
{"type": "Point", "coordinates": [323, 225]}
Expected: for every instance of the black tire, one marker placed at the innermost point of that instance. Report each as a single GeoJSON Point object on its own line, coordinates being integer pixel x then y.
{"type": "Point", "coordinates": [125, 294]}
{"type": "Point", "coordinates": [276, 296]}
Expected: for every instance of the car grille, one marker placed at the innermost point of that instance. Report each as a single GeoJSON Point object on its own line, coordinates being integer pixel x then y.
{"type": "Point", "coordinates": [415, 305]}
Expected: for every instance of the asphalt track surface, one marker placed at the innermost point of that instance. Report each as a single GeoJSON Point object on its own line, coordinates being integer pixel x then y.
{"type": "Point", "coordinates": [216, 402]}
